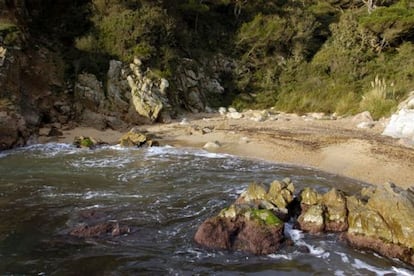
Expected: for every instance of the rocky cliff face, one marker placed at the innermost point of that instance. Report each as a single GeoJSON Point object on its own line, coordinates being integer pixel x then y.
{"type": "Point", "coordinates": [33, 92]}
{"type": "Point", "coordinates": [36, 92]}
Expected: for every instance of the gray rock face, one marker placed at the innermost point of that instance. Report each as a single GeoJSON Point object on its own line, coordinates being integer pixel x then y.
{"type": "Point", "coordinates": [117, 87]}
{"type": "Point", "coordinates": [199, 82]}
{"type": "Point", "coordinates": [89, 91]}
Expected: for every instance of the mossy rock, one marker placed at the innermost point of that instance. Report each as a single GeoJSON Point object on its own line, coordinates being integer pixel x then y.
{"type": "Point", "coordinates": [85, 142]}
{"type": "Point", "coordinates": [266, 217]}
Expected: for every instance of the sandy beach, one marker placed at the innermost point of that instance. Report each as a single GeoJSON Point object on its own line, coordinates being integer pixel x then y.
{"type": "Point", "coordinates": [335, 146]}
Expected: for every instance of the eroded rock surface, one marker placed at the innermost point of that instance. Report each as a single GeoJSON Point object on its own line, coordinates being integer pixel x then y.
{"type": "Point", "coordinates": [380, 219]}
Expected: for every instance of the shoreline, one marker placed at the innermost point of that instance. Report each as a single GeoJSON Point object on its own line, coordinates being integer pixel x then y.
{"type": "Point", "coordinates": [334, 146]}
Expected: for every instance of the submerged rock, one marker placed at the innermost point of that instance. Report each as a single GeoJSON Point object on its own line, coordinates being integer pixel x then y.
{"type": "Point", "coordinates": [257, 231]}
{"type": "Point", "coordinates": [100, 229]}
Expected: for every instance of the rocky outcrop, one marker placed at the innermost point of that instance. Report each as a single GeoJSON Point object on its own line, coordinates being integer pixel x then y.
{"type": "Point", "coordinates": [401, 124]}
{"type": "Point", "coordinates": [249, 229]}
{"type": "Point", "coordinates": [149, 95]}
{"type": "Point", "coordinates": [276, 197]}
{"type": "Point", "coordinates": [12, 128]}
{"type": "Point", "coordinates": [252, 223]}
{"type": "Point", "coordinates": [33, 92]}
{"type": "Point", "coordinates": [199, 84]}
{"type": "Point", "coordinates": [89, 91]}
{"type": "Point", "coordinates": [379, 219]}
{"type": "Point", "coordinates": [319, 213]}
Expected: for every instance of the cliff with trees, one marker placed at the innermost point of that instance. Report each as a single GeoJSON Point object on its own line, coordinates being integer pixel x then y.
{"type": "Point", "coordinates": [341, 56]}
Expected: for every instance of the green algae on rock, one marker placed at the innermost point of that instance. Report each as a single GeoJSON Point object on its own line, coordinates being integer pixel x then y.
{"type": "Point", "coordinates": [85, 142]}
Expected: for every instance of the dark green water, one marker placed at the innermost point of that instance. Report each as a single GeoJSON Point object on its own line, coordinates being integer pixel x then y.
{"type": "Point", "coordinates": [162, 194]}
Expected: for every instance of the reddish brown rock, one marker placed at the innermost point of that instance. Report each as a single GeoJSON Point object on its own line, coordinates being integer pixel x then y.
{"type": "Point", "coordinates": [386, 249]}
{"type": "Point", "coordinates": [250, 230]}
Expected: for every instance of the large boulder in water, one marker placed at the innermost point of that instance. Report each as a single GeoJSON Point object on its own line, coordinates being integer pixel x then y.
{"type": "Point", "coordinates": [258, 231]}
{"type": "Point", "coordinates": [253, 223]}
{"type": "Point", "coordinates": [382, 219]}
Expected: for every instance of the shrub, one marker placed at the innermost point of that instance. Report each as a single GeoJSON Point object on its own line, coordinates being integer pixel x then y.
{"type": "Point", "coordinates": [380, 100]}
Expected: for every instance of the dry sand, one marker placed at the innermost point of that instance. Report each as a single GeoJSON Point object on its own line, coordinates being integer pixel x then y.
{"type": "Point", "coordinates": [335, 146]}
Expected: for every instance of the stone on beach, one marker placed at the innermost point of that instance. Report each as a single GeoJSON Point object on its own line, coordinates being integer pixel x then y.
{"type": "Point", "coordinates": [212, 145]}
{"type": "Point", "coordinates": [85, 142]}
{"type": "Point", "coordinates": [134, 138]}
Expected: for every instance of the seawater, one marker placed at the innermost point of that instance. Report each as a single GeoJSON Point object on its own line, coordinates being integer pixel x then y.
{"type": "Point", "coordinates": [163, 194]}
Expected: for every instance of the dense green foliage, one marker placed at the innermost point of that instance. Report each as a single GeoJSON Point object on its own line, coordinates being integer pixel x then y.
{"type": "Point", "coordinates": [331, 56]}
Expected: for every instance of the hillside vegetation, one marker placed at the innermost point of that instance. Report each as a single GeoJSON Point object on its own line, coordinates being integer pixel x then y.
{"type": "Point", "coordinates": [339, 56]}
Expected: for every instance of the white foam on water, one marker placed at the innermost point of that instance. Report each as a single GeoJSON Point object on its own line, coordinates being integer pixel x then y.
{"type": "Point", "coordinates": [339, 273]}
{"type": "Point", "coordinates": [297, 237]}
{"type": "Point", "coordinates": [5, 153]}
{"type": "Point", "coordinates": [51, 149]}
{"type": "Point", "coordinates": [160, 151]}
{"type": "Point", "coordinates": [118, 162]}
{"type": "Point", "coordinates": [402, 271]}
{"type": "Point", "coordinates": [280, 256]}
{"type": "Point", "coordinates": [343, 256]}
{"type": "Point", "coordinates": [92, 195]}
{"type": "Point", "coordinates": [358, 264]}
